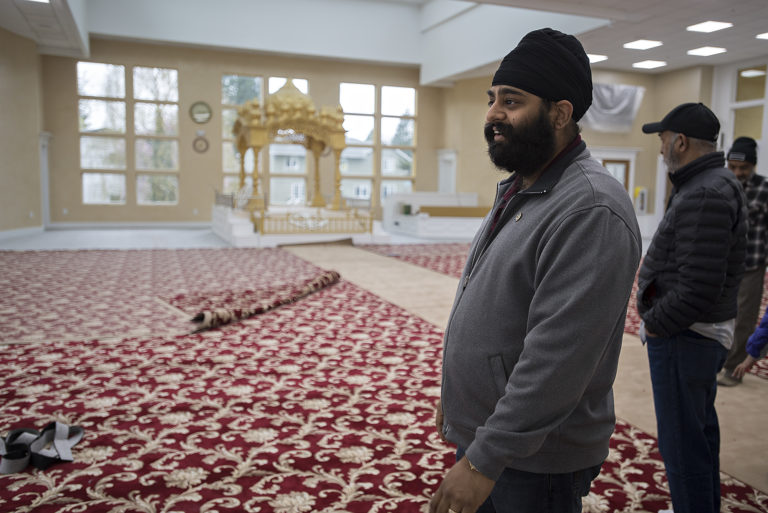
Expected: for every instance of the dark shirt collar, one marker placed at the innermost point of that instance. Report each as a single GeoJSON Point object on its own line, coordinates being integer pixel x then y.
{"type": "Point", "coordinates": [693, 168]}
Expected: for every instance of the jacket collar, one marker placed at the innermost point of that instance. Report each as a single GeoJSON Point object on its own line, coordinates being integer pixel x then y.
{"type": "Point", "coordinates": [693, 168]}
{"type": "Point", "coordinates": [554, 170]}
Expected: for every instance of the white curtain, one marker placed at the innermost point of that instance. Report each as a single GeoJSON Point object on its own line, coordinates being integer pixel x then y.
{"type": "Point", "coordinates": [614, 107]}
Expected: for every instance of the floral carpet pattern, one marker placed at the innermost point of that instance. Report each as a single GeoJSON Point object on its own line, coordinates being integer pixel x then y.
{"type": "Point", "coordinates": [320, 405]}
{"type": "Point", "coordinates": [450, 259]}
{"type": "Point", "coordinates": [106, 293]}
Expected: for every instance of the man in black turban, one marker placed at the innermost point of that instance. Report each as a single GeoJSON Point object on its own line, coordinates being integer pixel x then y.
{"type": "Point", "coordinates": [533, 340]}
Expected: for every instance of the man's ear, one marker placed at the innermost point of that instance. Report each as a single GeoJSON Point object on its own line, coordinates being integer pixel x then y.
{"type": "Point", "coordinates": [684, 143]}
{"type": "Point", "coordinates": [563, 113]}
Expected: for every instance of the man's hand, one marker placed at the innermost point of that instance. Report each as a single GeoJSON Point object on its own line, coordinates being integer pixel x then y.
{"type": "Point", "coordinates": [439, 419]}
{"type": "Point", "coordinates": [462, 491]}
{"type": "Point", "coordinates": [744, 367]}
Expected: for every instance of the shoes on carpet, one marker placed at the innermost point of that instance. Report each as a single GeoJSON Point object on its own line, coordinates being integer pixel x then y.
{"type": "Point", "coordinates": [45, 448]}
{"type": "Point", "coordinates": [727, 379]}
{"type": "Point", "coordinates": [14, 450]}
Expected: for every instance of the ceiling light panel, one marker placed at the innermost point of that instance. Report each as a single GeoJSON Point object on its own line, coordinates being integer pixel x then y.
{"type": "Point", "coordinates": [649, 64]}
{"type": "Point", "coordinates": [642, 44]}
{"type": "Point", "coordinates": [593, 58]}
{"type": "Point", "coordinates": [762, 36]}
{"type": "Point", "coordinates": [706, 51]}
{"type": "Point", "coordinates": [709, 26]}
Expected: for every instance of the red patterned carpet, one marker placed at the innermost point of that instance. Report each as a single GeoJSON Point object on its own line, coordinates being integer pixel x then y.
{"type": "Point", "coordinates": [104, 293]}
{"type": "Point", "coordinates": [450, 259]}
{"type": "Point", "coordinates": [322, 405]}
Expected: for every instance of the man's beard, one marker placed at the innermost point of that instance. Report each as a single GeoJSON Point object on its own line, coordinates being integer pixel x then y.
{"type": "Point", "coordinates": [670, 158]}
{"type": "Point", "coordinates": [525, 149]}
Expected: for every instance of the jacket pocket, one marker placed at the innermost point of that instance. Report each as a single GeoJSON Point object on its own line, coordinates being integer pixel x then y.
{"type": "Point", "coordinates": [499, 374]}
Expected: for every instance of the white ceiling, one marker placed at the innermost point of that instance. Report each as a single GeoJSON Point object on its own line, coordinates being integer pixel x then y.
{"type": "Point", "coordinates": [446, 39]}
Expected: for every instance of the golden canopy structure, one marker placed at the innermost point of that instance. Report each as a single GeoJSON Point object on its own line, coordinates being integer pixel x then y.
{"type": "Point", "coordinates": [290, 116]}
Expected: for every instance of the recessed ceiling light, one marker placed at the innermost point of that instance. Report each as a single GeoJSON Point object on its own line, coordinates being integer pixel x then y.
{"type": "Point", "coordinates": [40, 1]}
{"type": "Point", "coordinates": [706, 51]}
{"type": "Point", "coordinates": [642, 44]}
{"type": "Point", "coordinates": [709, 26]}
{"type": "Point", "coordinates": [762, 36]}
{"type": "Point", "coordinates": [752, 73]}
{"type": "Point", "coordinates": [649, 64]}
{"type": "Point", "coordinates": [593, 58]}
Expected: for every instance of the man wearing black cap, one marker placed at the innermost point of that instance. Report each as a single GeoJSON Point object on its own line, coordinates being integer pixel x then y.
{"type": "Point", "coordinates": [742, 159]}
{"type": "Point", "coordinates": [687, 288]}
{"type": "Point", "coordinates": [533, 339]}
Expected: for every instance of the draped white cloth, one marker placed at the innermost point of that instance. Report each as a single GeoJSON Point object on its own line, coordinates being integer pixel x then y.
{"type": "Point", "coordinates": [614, 107]}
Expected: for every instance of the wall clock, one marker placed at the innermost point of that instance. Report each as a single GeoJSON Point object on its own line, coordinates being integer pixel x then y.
{"type": "Point", "coordinates": [200, 112]}
{"type": "Point", "coordinates": [200, 144]}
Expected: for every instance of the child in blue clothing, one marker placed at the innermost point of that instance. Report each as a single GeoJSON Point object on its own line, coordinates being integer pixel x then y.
{"type": "Point", "coordinates": [757, 347]}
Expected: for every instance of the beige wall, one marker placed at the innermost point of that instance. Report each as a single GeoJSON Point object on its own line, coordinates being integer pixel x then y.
{"type": "Point", "coordinates": [20, 123]}
{"type": "Point", "coordinates": [449, 118]}
{"type": "Point", "coordinates": [200, 72]}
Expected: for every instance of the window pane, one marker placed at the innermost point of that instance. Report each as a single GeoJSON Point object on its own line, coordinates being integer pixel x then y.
{"type": "Point", "coordinates": [102, 152]}
{"type": "Point", "coordinates": [357, 161]}
{"type": "Point", "coordinates": [157, 189]}
{"type": "Point", "coordinates": [231, 160]}
{"type": "Point", "coordinates": [750, 84]}
{"type": "Point", "coordinates": [96, 79]}
{"type": "Point", "coordinates": [159, 84]}
{"type": "Point", "coordinates": [238, 89]}
{"type": "Point", "coordinates": [156, 118]}
{"type": "Point", "coordinates": [398, 101]}
{"type": "Point", "coordinates": [748, 122]}
{"type": "Point", "coordinates": [357, 189]}
{"type": "Point", "coordinates": [287, 159]}
{"type": "Point", "coordinates": [103, 188]}
{"type": "Point", "coordinates": [359, 129]}
{"type": "Point", "coordinates": [102, 116]}
{"type": "Point", "coordinates": [397, 131]}
{"type": "Point", "coordinates": [157, 154]}
{"type": "Point", "coordinates": [396, 162]}
{"type": "Point", "coordinates": [232, 184]}
{"type": "Point", "coordinates": [228, 118]}
{"type": "Point", "coordinates": [357, 98]}
{"type": "Point", "coordinates": [287, 191]}
{"type": "Point", "coordinates": [390, 187]}
{"type": "Point", "coordinates": [275, 83]}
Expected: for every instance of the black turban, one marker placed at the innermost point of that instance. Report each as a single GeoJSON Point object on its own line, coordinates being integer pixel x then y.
{"type": "Point", "coordinates": [551, 65]}
{"type": "Point", "coordinates": [744, 149]}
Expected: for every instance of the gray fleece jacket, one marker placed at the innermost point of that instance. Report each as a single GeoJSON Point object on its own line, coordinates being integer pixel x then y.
{"type": "Point", "coordinates": [533, 339]}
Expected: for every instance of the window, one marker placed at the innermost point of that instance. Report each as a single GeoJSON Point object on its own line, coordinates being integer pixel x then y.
{"type": "Point", "coordinates": [235, 91]}
{"type": "Point", "coordinates": [156, 126]}
{"type": "Point", "coordinates": [105, 115]}
{"type": "Point", "coordinates": [102, 126]}
{"type": "Point", "coordinates": [380, 139]}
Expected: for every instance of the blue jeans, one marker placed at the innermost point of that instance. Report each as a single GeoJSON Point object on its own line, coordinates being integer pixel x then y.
{"type": "Point", "coordinates": [525, 492]}
{"type": "Point", "coordinates": [684, 378]}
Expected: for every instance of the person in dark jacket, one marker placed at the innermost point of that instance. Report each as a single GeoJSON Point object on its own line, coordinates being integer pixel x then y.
{"type": "Point", "coordinates": [742, 159]}
{"type": "Point", "coordinates": [687, 297]}
{"type": "Point", "coordinates": [533, 340]}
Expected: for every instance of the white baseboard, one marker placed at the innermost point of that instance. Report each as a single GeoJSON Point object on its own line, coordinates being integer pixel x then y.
{"type": "Point", "coordinates": [21, 232]}
{"type": "Point", "coordinates": [130, 226]}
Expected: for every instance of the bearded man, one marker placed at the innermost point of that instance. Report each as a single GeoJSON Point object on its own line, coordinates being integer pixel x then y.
{"type": "Point", "coordinates": [687, 297]}
{"type": "Point", "coordinates": [533, 339]}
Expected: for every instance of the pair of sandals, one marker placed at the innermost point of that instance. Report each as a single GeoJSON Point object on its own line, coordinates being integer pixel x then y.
{"type": "Point", "coordinates": [41, 448]}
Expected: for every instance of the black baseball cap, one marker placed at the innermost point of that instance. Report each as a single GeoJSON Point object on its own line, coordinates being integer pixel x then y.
{"type": "Point", "coordinates": [692, 119]}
